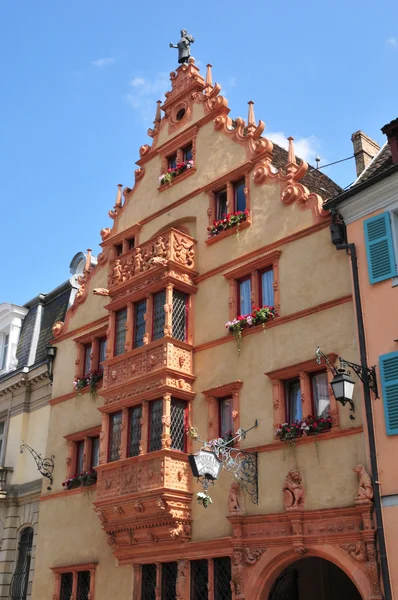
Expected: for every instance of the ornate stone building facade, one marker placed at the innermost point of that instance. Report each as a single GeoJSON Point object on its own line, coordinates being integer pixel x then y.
{"type": "Point", "coordinates": [220, 223]}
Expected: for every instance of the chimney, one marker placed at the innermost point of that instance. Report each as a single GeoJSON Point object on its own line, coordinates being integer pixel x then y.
{"type": "Point", "coordinates": [391, 131]}
{"type": "Point", "coordinates": [364, 150]}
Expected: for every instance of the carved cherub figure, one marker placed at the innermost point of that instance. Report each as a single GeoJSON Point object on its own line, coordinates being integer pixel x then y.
{"type": "Point", "coordinates": [237, 574]}
{"type": "Point", "coordinates": [138, 267]}
{"type": "Point", "coordinates": [184, 252]}
{"type": "Point", "coordinates": [100, 292]}
{"type": "Point", "coordinates": [365, 488]}
{"type": "Point", "coordinates": [159, 252]}
{"type": "Point", "coordinates": [233, 499]}
{"type": "Point", "coordinates": [293, 490]}
{"type": "Point", "coordinates": [117, 275]}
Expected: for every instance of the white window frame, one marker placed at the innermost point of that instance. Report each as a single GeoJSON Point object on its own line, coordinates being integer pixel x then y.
{"type": "Point", "coordinates": [4, 418]}
{"type": "Point", "coordinates": [393, 211]}
{"type": "Point", "coordinates": [3, 336]}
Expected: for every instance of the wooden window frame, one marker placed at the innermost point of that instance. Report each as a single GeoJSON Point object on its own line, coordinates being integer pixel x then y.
{"type": "Point", "coordinates": [94, 338]}
{"type": "Point", "coordinates": [74, 569]}
{"type": "Point", "coordinates": [213, 395]}
{"type": "Point", "coordinates": [260, 286]}
{"type": "Point", "coordinates": [238, 300]}
{"type": "Point", "coordinates": [302, 370]}
{"type": "Point", "coordinates": [73, 440]}
{"type": "Point", "coordinates": [234, 187]}
{"type": "Point", "coordinates": [252, 268]}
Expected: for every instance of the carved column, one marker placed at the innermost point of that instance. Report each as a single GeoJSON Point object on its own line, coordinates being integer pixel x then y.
{"type": "Point", "coordinates": [79, 362]}
{"type": "Point", "coordinates": [166, 440]}
{"type": "Point", "coordinates": [230, 197]}
{"type": "Point", "coordinates": [110, 335]}
{"type": "Point", "coordinates": [191, 317]}
{"type": "Point", "coordinates": [148, 319]}
{"type": "Point", "coordinates": [168, 309]}
{"type": "Point", "coordinates": [57, 586]}
{"type": "Point", "coordinates": [212, 417]}
{"type": "Point", "coordinates": [137, 582]}
{"type": "Point", "coordinates": [92, 583]}
{"type": "Point", "coordinates": [180, 156]}
{"type": "Point", "coordinates": [212, 210]}
{"type": "Point", "coordinates": [144, 427]}
{"type": "Point", "coordinates": [104, 439]}
{"type": "Point", "coordinates": [71, 459]}
{"type": "Point", "coordinates": [129, 327]}
{"type": "Point", "coordinates": [94, 364]}
{"type": "Point", "coordinates": [158, 589]}
{"type": "Point", "coordinates": [247, 190]}
{"type": "Point", "coordinates": [182, 589]}
{"type": "Point", "coordinates": [74, 586]}
{"type": "Point", "coordinates": [237, 569]}
{"type": "Point", "coordinates": [275, 285]}
{"type": "Point", "coordinates": [125, 433]}
{"type": "Point", "coordinates": [235, 413]}
{"type": "Point", "coordinates": [210, 584]}
{"type": "Point", "coordinates": [255, 298]}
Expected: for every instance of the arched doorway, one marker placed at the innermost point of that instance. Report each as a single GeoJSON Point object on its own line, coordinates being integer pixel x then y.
{"type": "Point", "coordinates": [313, 578]}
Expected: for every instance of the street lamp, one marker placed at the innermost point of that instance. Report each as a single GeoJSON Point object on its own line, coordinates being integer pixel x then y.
{"type": "Point", "coordinates": [343, 387]}
{"type": "Point", "coordinates": [51, 351]}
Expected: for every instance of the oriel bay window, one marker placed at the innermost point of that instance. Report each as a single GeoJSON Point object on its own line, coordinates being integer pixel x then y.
{"type": "Point", "coordinates": [115, 436]}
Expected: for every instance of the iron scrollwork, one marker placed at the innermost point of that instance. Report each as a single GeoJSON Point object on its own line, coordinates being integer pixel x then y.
{"type": "Point", "coordinates": [45, 466]}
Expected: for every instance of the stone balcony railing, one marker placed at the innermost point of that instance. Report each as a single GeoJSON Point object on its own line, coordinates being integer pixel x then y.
{"type": "Point", "coordinates": [173, 249]}
{"type": "Point", "coordinates": [166, 356]}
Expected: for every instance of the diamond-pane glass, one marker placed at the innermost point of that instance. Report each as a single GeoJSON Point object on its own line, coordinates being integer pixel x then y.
{"type": "Point", "coordinates": [148, 582]}
{"type": "Point", "coordinates": [139, 323]}
{"type": "Point", "coordinates": [179, 319]}
{"type": "Point", "coordinates": [222, 578]}
{"type": "Point", "coordinates": [115, 433]}
{"type": "Point", "coordinates": [199, 579]}
{"type": "Point", "coordinates": [159, 300]}
{"type": "Point", "coordinates": [177, 425]}
{"type": "Point", "coordinates": [155, 425]}
{"type": "Point", "coordinates": [135, 431]}
{"type": "Point", "coordinates": [120, 331]}
{"type": "Point", "coordinates": [66, 586]}
{"type": "Point", "coordinates": [83, 585]}
{"type": "Point", "coordinates": [169, 580]}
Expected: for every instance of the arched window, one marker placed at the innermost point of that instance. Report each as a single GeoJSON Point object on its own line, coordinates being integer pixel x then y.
{"type": "Point", "coordinates": [20, 579]}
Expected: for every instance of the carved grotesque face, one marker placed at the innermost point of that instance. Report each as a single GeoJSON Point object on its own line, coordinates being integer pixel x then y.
{"type": "Point", "coordinates": [235, 487]}
{"type": "Point", "coordinates": [295, 475]}
{"type": "Point", "coordinates": [358, 469]}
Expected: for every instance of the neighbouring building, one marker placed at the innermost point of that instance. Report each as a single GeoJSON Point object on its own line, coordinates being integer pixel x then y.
{"type": "Point", "coordinates": [220, 223]}
{"type": "Point", "coordinates": [369, 210]}
{"type": "Point", "coordinates": [25, 391]}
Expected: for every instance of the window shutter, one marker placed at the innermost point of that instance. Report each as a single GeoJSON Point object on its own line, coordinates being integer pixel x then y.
{"type": "Point", "coordinates": [389, 381]}
{"type": "Point", "coordinates": [379, 248]}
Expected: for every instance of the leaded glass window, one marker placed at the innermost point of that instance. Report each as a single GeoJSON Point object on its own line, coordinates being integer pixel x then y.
{"type": "Point", "coordinates": [120, 332]}
{"type": "Point", "coordinates": [148, 591]}
{"type": "Point", "coordinates": [155, 425]}
{"type": "Point", "coordinates": [115, 433]}
{"type": "Point", "coordinates": [20, 578]}
{"type": "Point", "coordinates": [139, 323]}
{"type": "Point", "coordinates": [169, 580]}
{"type": "Point", "coordinates": [159, 300]}
{"type": "Point", "coordinates": [222, 578]}
{"type": "Point", "coordinates": [66, 586]}
{"type": "Point", "coordinates": [134, 430]}
{"type": "Point", "coordinates": [199, 579]}
{"type": "Point", "coordinates": [178, 424]}
{"type": "Point", "coordinates": [83, 585]}
{"type": "Point", "coordinates": [180, 313]}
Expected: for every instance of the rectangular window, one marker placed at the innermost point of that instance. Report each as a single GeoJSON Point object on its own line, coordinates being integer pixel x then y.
{"type": "Point", "coordinates": [225, 421]}
{"type": "Point", "coordinates": [5, 351]}
{"type": "Point", "coordinates": [266, 288]}
{"type": "Point", "coordinates": [139, 323]}
{"type": "Point", "coordinates": [148, 591]}
{"type": "Point", "coordinates": [155, 425]}
{"type": "Point", "coordinates": [187, 152]}
{"type": "Point", "coordinates": [131, 243]}
{"type": "Point", "coordinates": [239, 195]}
{"type": "Point", "coordinates": [102, 353]}
{"type": "Point", "coordinates": [80, 457]}
{"type": "Point", "coordinates": [180, 314]}
{"type": "Point", "coordinates": [294, 410]}
{"type": "Point", "coordinates": [379, 248]}
{"type": "Point", "coordinates": [389, 381]}
{"type": "Point", "coordinates": [66, 586]}
{"type": "Point", "coordinates": [320, 394]}
{"type": "Point", "coordinates": [244, 296]}
{"type": "Point", "coordinates": [159, 300]}
{"type": "Point", "coordinates": [222, 578]}
{"type": "Point", "coordinates": [178, 418]}
{"type": "Point", "coordinates": [87, 359]}
{"type": "Point", "coordinates": [120, 333]}
{"type": "Point", "coordinates": [221, 204]}
{"type": "Point", "coordinates": [2, 439]}
{"type": "Point", "coordinates": [95, 448]}
{"type": "Point", "coordinates": [118, 249]}
{"type": "Point", "coordinates": [82, 585]}
{"type": "Point", "coordinates": [172, 161]}
{"type": "Point", "coordinates": [169, 580]}
{"type": "Point", "coordinates": [115, 435]}
{"type": "Point", "coordinates": [135, 414]}
{"type": "Point", "coordinates": [199, 579]}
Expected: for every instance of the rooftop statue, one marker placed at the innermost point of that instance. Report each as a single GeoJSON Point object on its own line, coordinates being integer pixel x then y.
{"type": "Point", "coordinates": [183, 46]}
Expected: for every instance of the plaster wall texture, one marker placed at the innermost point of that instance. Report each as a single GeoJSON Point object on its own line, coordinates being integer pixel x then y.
{"type": "Point", "coordinates": [93, 310]}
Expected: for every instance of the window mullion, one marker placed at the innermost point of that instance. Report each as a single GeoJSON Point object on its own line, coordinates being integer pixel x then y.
{"type": "Point", "coordinates": [130, 327]}
{"type": "Point", "coordinates": [124, 434]}
{"type": "Point", "coordinates": [306, 396]}
{"type": "Point", "coordinates": [168, 308]}
{"type": "Point", "coordinates": [230, 197]}
{"type": "Point", "coordinates": [87, 454]}
{"type": "Point", "coordinates": [158, 589]}
{"type": "Point", "coordinates": [166, 441]}
{"type": "Point", "coordinates": [144, 427]}
{"type": "Point", "coordinates": [74, 586]}
{"type": "Point", "coordinates": [211, 579]}
{"type": "Point", "coordinates": [148, 319]}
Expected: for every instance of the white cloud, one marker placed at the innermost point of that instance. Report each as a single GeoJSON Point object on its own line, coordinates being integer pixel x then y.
{"type": "Point", "coordinates": [144, 93]}
{"type": "Point", "coordinates": [102, 62]}
{"type": "Point", "coordinates": [305, 147]}
{"type": "Point", "coordinates": [392, 41]}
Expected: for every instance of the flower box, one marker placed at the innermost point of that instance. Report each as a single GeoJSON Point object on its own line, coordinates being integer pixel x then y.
{"type": "Point", "coordinates": [316, 425]}
{"type": "Point", "coordinates": [85, 479]}
{"type": "Point", "coordinates": [259, 316]}
{"type": "Point", "coordinates": [229, 221]}
{"type": "Point", "coordinates": [167, 178]}
{"type": "Point", "coordinates": [89, 380]}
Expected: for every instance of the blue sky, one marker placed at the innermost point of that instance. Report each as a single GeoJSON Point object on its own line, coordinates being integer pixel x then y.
{"type": "Point", "coordinates": [79, 86]}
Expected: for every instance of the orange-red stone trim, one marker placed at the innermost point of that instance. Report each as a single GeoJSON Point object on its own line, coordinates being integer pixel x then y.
{"type": "Point", "coordinates": [80, 435]}
{"type": "Point", "coordinates": [222, 391]}
{"type": "Point", "coordinates": [75, 569]}
{"type": "Point", "coordinates": [73, 332]}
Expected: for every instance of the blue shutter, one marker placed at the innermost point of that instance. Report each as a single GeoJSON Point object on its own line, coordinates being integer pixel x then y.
{"type": "Point", "coordinates": [379, 248]}
{"type": "Point", "coordinates": [389, 381]}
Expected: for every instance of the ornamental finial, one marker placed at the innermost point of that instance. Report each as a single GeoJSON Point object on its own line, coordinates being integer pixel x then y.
{"type": "Point", "coordinates": [291, 157]}
{"type": "Point", "coordinates": [118, 201]}
{"type": "Point", "coordinates": [251, 121]}
{"type": "Point", "coordinates": [184, 51]}
{"type": "Point", "coordinates": [209, 76]}
{"type": "Point", "coordinates": [158, 116]}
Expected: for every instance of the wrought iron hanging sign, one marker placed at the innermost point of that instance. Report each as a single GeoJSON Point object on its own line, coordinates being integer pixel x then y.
{"type": "Point", "coordinates": [44, 465]}
{"type": "Point", "coordinates": [218, 453]}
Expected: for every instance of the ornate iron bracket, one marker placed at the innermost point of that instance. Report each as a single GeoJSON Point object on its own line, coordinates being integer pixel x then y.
{"type": "Point", "coordinates": [370, 377]}
{"type": "Point", "coordinates": [45, 466]}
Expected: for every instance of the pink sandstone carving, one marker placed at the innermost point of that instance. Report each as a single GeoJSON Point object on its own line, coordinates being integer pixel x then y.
{"type": "Point", "coordinates": [293, 490]}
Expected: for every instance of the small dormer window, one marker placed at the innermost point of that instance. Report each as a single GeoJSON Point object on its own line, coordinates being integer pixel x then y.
{"type": "Point", "coordinates": [4, 352]}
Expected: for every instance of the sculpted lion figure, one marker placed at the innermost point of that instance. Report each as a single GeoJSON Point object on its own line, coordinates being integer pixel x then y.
{"type": "Point", "coordinates": [293, 490]}
{"type": "Point", "coordinates": [365, 488]}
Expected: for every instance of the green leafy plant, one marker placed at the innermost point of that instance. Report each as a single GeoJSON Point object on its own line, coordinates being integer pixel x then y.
{"type": "Point", "coordinates": [204, 499]}
{"type": "Point", "coordinates": [259, 315]}
{"type": "Point", "coordinates": [228, 221]}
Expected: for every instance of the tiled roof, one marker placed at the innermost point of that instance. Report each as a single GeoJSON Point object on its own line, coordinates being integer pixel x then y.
{"type": "Point", "coordinates": [316, 181]}
{"type": "Point", "coordinates": [381, 162]}
{"type": "Point", "coordinates": [53, 311]}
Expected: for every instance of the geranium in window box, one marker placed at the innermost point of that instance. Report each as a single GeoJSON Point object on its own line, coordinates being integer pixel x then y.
{"type": "Point", "coordinates": [290, 432]}
{"type": "Point", "coordinates": [89, 380]}
{"type": "Point", "coordinates": [85, 479]}
{"type": "Point", "coordinates": [259, 316]}
{"type": "Point", "coordinates": [173, 173]}
{"type": "Point", "coordinates": [228, 221]}
{"type": "Point", "coordinates": [318, 424]}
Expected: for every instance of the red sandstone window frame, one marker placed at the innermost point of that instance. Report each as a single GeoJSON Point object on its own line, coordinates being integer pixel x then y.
{"type": "Point", "coordinates": [124, 240]}
{"type": "Point", "coordinates": [86, 436]}
{"type": "Point", "coordinates": [303, 371]}
{"type": "Point", "coordinates": [74, 569]}
{"type": "Point", "coordinates": [177, 146]}
{"type": "Point", "coordinates": [213, 397]}
{"type": "Point", "coordinates": [253, 268]}
{"type": "Point", "coordinates": [94, 338]}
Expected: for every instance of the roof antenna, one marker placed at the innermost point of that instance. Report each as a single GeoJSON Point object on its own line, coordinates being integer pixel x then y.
{"type": "Point", "coordinates": [317, 160]}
